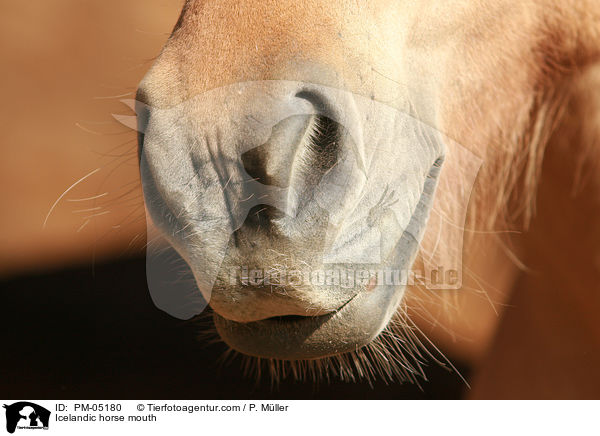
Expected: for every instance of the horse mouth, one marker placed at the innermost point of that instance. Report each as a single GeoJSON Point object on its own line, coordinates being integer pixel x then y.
{"type": "Point", "coordinates": [298, 337]}
{"type": "Point", "coordinates": [353, 325]}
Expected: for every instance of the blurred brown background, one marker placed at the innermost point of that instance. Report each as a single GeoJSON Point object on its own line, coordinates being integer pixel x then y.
{"type": "Point", "coordinates": [63, 63]}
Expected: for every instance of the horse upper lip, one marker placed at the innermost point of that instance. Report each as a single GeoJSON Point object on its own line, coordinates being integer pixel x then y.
{"type": "Point", "coordinates": [295, 316]}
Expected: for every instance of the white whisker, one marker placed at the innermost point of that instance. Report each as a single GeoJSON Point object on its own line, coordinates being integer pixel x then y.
{"type": "Point", "coordinates": [65, 193]}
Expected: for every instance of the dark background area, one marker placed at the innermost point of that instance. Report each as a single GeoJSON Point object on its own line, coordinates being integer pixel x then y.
{"type": "Point", "coordinates": [93, 332]}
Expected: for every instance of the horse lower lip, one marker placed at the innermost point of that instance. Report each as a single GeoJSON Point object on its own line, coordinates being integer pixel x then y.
{"type": "Point", "coordinates": [278, 337]}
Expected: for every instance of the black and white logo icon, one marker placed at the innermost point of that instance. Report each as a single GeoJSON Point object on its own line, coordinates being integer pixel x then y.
{"type": "Point", "coordinates": [26, 415]}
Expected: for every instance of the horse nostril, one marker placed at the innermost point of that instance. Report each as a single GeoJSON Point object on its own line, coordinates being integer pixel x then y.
{"type": "Point", "coordinates": [324, 142]}
{"type": "Point", "coordinates": [271, 162]}
{"type": "Point", "coordinates": [297, 162]}
{"type": "Point", "coordinates": [301, 149]}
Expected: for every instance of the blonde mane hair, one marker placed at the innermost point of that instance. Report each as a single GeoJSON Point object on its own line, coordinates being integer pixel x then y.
{"type": "Point", "coordinates": [564, 59]}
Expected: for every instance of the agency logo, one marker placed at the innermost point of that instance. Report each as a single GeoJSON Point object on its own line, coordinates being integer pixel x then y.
{"type": "Point", "coordinates": [27, 416]}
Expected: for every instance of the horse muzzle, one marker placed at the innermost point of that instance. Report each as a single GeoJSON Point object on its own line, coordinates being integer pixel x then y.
{"type": "Point", "coordinates": [263, 180]}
